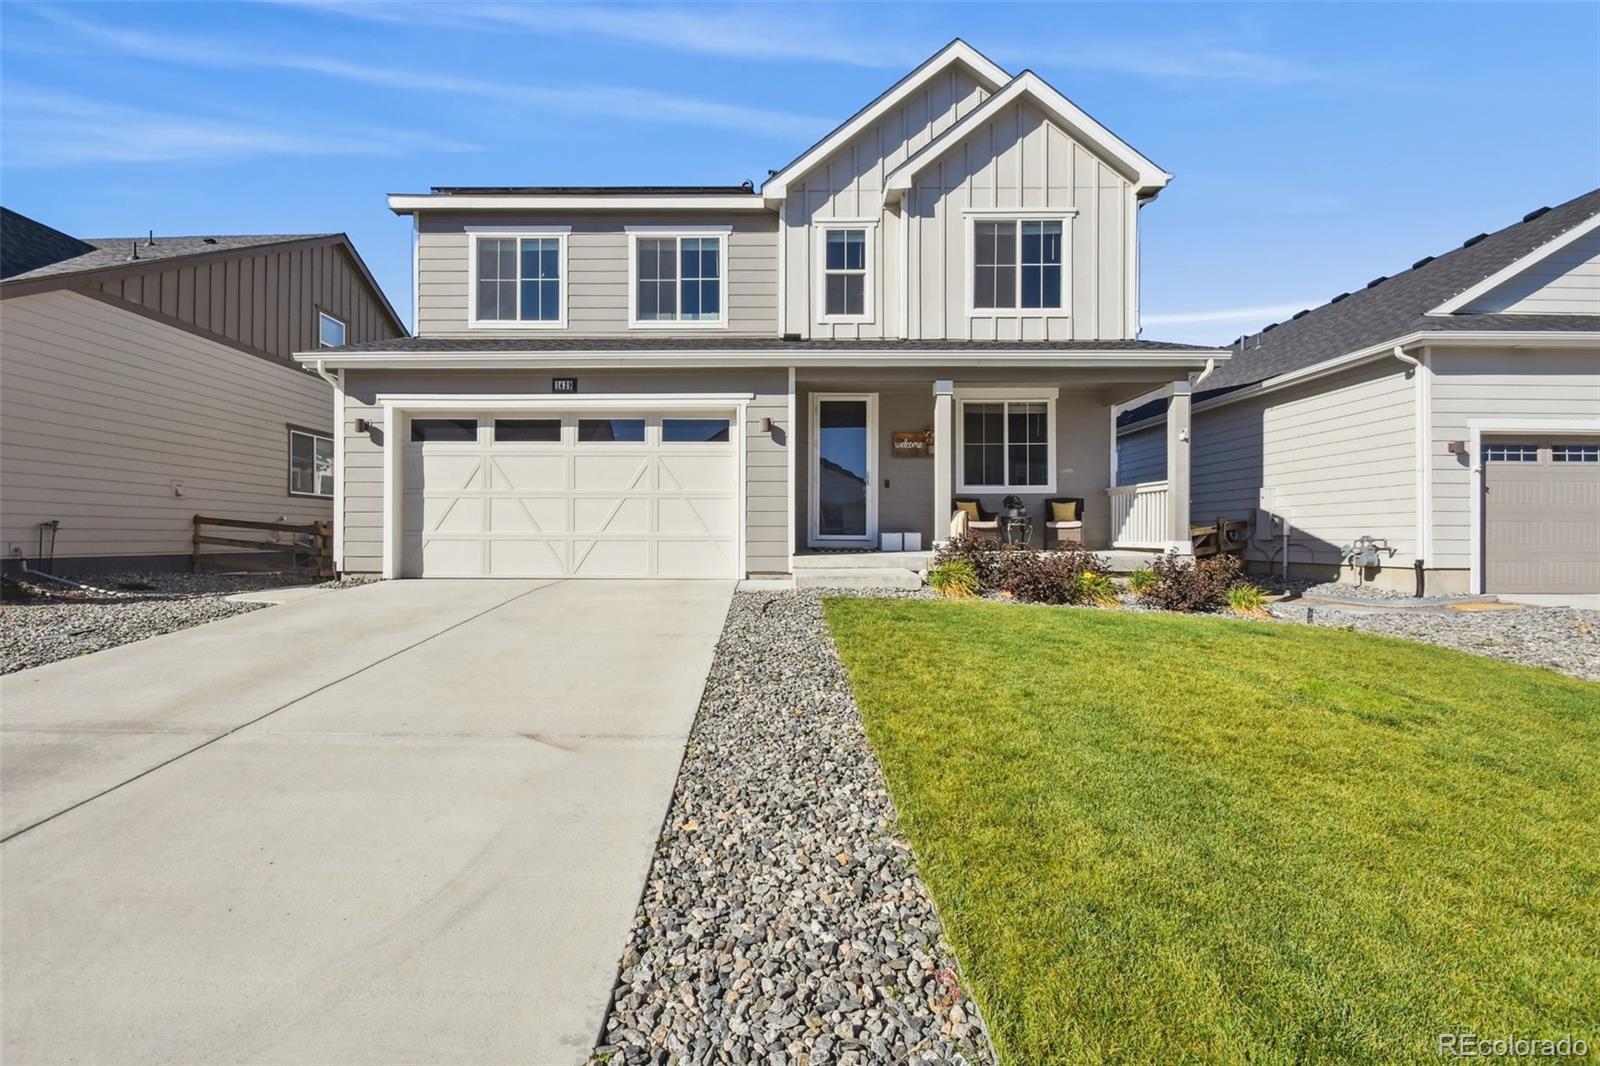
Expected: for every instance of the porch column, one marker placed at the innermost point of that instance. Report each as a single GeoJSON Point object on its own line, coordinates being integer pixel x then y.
{"type": "Point", "coordinates": [944, 441]}
{"type": "Point", "coordinates": [1178, 466]}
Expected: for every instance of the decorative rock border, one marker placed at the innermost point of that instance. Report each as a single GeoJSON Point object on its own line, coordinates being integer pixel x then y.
{"type": "Point", "coordinates": [783, 921]}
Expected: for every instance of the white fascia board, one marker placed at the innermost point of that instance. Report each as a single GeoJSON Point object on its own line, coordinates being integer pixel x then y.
{"type": "Point", "coordinates": [1146, 176]}
{"type": "Point", "coordinates": [777, 360]}
{"type": "Point", "coordinates": [776, 188]}
{"type": "Point", "coordinates": [1486, 338]}
{"type": "Point", "coordinates": [1505, 274]}
{"type": "Point", "coordinates": [413, 203]}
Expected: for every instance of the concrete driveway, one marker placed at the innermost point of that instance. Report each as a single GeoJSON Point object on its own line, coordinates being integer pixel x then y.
{"type": "Point", "coordinates": [407, 822]}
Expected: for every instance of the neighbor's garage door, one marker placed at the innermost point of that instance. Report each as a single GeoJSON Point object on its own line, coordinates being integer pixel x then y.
{"type": "Point", "coordinates": [1541, 515]}
{"type": "Point", "coordinates": [585, 495]}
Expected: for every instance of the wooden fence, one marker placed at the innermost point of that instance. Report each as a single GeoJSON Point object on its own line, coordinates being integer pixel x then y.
{"type": "Point", "coordinates": [316, 548]}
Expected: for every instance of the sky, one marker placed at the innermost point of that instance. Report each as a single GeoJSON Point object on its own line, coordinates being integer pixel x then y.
{"type": "Point", "coordinates": [1315, 147]}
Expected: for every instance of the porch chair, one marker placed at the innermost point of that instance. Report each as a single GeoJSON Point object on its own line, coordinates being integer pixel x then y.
{"type": "Point", "coordinates": [1063, 516]}
{"type": "Point", "coordinates": [969, 518]}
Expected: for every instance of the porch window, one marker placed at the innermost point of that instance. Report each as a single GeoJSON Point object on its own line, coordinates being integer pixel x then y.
{"type": "Point", "coordinates": [1016, 264]}
{"type": "Point", "coordinates": [1006, 444]}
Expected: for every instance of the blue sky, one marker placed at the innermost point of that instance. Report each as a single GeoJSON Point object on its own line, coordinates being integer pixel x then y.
{"type": "Point", "coordinates": [1314, 146]}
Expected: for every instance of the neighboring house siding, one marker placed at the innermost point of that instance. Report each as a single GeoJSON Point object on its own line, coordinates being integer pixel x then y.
{"type": "Point", "coordinates": [1565, 283]}
{"type": "Point", "coordinates": [1020, 160]}
{"type": "Point", "coordinates": [598, 272]}
{"type": "Point", "coordinates": [1142, 456]}
{"type": "Point", "coordinates": [766, 475]}
{"type": "Point", "coordinates": [267, 299]}
{"type": "Point", "coordinates": [1506, 384]}
{"type": "Point", "coordinates": [849, 185]}
{"type": "Point", "coordinates": [103, 409]}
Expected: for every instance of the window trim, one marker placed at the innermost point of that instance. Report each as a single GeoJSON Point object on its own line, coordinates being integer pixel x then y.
{"type": "Point", "coordinates": [722, 235]}
{"type": "Point", "coordinates": [307, 431]}
{"type": "Point", "coordinates": [477, 233]}
{"type": "Point", "coordinates": [1018, 216]}
{"type": "Point", "coordinates": [869, 269]}
{"type": "Point", "coordinates": [1048, 397]}
{"type": "Point", "coordinates": [322, 313]}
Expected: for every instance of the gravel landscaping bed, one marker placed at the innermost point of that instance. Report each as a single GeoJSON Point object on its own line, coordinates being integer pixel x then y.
{"type": "Point", "coordinates": [783, 921]}
{"type": "Point", "coordinates": [60, 623]}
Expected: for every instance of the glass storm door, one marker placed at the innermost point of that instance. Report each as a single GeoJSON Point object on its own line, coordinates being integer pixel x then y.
{"type": "Point", "coordinates": [844, 503]}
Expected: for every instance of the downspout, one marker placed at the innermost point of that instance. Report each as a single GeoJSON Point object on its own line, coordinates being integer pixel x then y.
{"type": "Point", "coordinates": [321, 367]}
{"type": "Point", "coordinates": [1418, 563]}
{"type": "Point", "coordinates": [1211, 368]}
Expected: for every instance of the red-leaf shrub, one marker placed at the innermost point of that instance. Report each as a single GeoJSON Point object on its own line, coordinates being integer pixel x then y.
{"type": "Point", "coordinates": [1185, 585]}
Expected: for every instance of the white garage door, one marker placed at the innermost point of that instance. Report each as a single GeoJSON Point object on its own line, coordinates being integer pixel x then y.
{"type": "Point", "coordinates": [571, 495]}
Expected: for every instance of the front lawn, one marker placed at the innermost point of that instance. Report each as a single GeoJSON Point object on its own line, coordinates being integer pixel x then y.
{"type": "Point", "coordinates": [1164, 839]}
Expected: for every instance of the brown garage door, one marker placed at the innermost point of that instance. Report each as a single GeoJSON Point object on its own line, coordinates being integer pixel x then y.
{"type": "Point", "coordinates": [1541, 515]}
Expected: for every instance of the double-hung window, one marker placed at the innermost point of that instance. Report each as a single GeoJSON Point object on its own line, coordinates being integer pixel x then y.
{"type": "Point", "coordinates": [845, 286]}
{"type": "Point", "coordinates": [310, 463]}
{"type": "Point", "coordinates": [1007, 444]}
{"type": "Point", "coordinates": [1017, 264]}
{"type": "Point", "coordinates": [518, 280]}
{"type": "Point", "coordinates": [678, 278]}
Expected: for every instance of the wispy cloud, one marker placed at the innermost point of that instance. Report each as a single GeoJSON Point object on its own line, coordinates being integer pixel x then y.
{"type": "Point", "coordinates": [1172, 60]}
{"type": "Point", "coordinates": [1260, 314]}
{"type": "Point", "coordinates": [47, 128]}
{"type": "Point", "coordinates": [607, 100]}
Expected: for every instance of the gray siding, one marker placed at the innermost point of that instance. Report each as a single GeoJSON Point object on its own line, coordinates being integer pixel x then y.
{"type": "Point", "coordinates": [103, 409]}
{"type": "Point", "coordinates": [1476, 384]}
{"type": "Point", "coordinates": [766, 473]}
{"type": "Point", "coordinates": [267, 299]}
{"type": "Point", "coordinates": [598, 273]}
{"type": "Point", "coordinates": [1142, 456]}
{"type": "Point", "coordinates": [1565, 283]}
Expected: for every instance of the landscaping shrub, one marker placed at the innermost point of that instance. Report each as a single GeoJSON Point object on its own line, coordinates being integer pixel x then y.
{"type": "Point", "coordinates": [1182, 585]}
{"type": "Point", "coordinates": [1245, 598]}
{"type": "Point", "coordinates": [953, 578]}
{"type": "Point", "coordinates": [1033, 576]}
{"type": "Point", "coordinates": [981, 555]}
{"type": "Point", "coordinates": [1096, 589]}
{"type": "Point", "coordinates": [1142, 581]}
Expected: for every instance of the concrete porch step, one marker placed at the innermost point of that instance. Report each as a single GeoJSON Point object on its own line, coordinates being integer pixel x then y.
{"type": "Point", "coordinates": [856, 577]}
{"type": "Point", "coordinates": [864, 561]}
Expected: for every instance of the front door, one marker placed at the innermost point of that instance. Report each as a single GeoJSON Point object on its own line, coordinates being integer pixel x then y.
{"type": "Point", "coordinates": [844, 464]}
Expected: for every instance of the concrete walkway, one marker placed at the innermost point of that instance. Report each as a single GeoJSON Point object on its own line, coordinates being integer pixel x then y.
{"type": "Point", "coordinates": [405, 822]}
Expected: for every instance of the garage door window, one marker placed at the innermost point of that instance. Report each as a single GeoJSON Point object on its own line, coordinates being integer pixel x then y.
{"type": "Point", "coordinates": [611, 430]}
{"type": "Point", "coordinates": [444, 430]}
{"type": "Point", "coordinates": [1511, 453]}
{"type": "Point", "coordinates": [527, 431]}
{"type": "Point", "coordinates": [694, 430]}
{"type": "Point", "coordinates": [1575, 453]}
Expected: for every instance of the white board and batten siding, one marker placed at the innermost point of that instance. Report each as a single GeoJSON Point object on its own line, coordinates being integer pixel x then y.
{"type": "Point", "coordinates": [597, 272]}
{"type": "Point", "coordinates": [765, 454]}
{"type": "Point", "coordinates": [1567, 282]}
{"type": "Point", "coordinates": [104, 409]}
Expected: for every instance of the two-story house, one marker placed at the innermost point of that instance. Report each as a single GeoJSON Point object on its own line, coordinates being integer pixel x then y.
{"type": "Point", "coordinates": [938, 300]}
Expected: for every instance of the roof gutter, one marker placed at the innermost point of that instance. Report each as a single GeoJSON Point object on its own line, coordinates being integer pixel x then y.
{"type": "Point", "coordinates": [767, 358]}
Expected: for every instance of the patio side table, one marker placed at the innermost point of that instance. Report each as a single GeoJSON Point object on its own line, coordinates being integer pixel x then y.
{"type": "Point", "coordinates": [1016, 530]}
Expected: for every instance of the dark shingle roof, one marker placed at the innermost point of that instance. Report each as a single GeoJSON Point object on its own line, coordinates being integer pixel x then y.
{"type": "Point", "coordinates": [594, 190]}
{"type": "Point", "coordinates": [103, 252]}
{"type": "Point", "coordinates": [29, 245]}
{"type": "Point", "coordinates": [1395, 306]}
{"type": "Point", "coordinates": [468, 345]}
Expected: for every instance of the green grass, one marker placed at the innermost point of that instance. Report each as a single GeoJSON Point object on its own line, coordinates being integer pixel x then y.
{"type": "Point", "coordinates": [1165, 839]}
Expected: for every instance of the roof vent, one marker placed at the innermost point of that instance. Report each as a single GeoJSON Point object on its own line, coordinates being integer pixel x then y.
{"type": "Point", "coordinates": [1378, 280]}
{"type": "Point", "coordinates": [1269, 329]}
{"type": "Point", "coordinates": [1424, 261]}
{"type": "Point", "coordinates": [1531, 215]}
{"type": "Point", "coordinates": [133, 249]}
{"type": "Point", "coordinates": [748, 184]}
{"type": "Point", "coordinates": [1336, 299]}
{"type": "Point", "coordinates": [209, 240]}
{"type": "Point", "coordinates": [152, 240]}
{"type": "Point", "coordinates": [1470, 241]}
{"type": "Point", "coordinates": [1301, 314]}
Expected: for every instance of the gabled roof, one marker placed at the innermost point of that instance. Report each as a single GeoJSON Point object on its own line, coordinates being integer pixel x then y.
{"type": "Point", "coordinates": [1510, 270]}
{"type": "Point", "coordinates": [26, 244]}
{"type": "Point", "coordinates": [957, 51]}
{"type": "Point", "coordinates": [1148, 179]}
{"type": "Point", "coordinates": [1394, 307]}
{"type": "Point", "coordinates": [114, 252]}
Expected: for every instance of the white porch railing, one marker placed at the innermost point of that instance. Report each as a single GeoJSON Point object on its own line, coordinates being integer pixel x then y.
{"type": "Point", "coordinates": [1139, 515]}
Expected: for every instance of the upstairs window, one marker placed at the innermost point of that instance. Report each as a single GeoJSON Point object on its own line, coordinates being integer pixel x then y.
{"type": "Point", "coordinates": [330, 331]}
{"type": "Point", "coordinates": [844, 273]}
{"type": "Point", "coordinates": [518, 280]}
{"type": "Point", "coordinates": [677, 279]}
{"type": "Point", "coordinates": [1016, 264]}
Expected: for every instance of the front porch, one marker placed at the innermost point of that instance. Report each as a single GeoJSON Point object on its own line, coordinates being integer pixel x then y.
{"type": "Point", "coordinates": [881, 455]}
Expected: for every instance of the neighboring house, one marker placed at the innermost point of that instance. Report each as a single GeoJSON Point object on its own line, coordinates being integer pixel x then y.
{"type": "Point", "coordinates": [635, 381]}
{"type": "Point", "coordinates": [145, 380]}
{"type": "Point", "coordinates": [1452, 410]}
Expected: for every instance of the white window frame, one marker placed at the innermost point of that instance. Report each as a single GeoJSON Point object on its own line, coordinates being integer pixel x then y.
{"type": "Point", "coordinates": [511, 233]}
{"type": "Point", "coordinates": [296, 431]}
{"type": "Point", "coordinates": [678, 233]}
{"type": "Point", "coordinates": [869, 268]}
{"type": "Point", "coordinates": [1006, 396]}
{"type": "Point", "coordinates": [344, 329]}
{"type": "Point", "coordinates": [1018, 216]}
